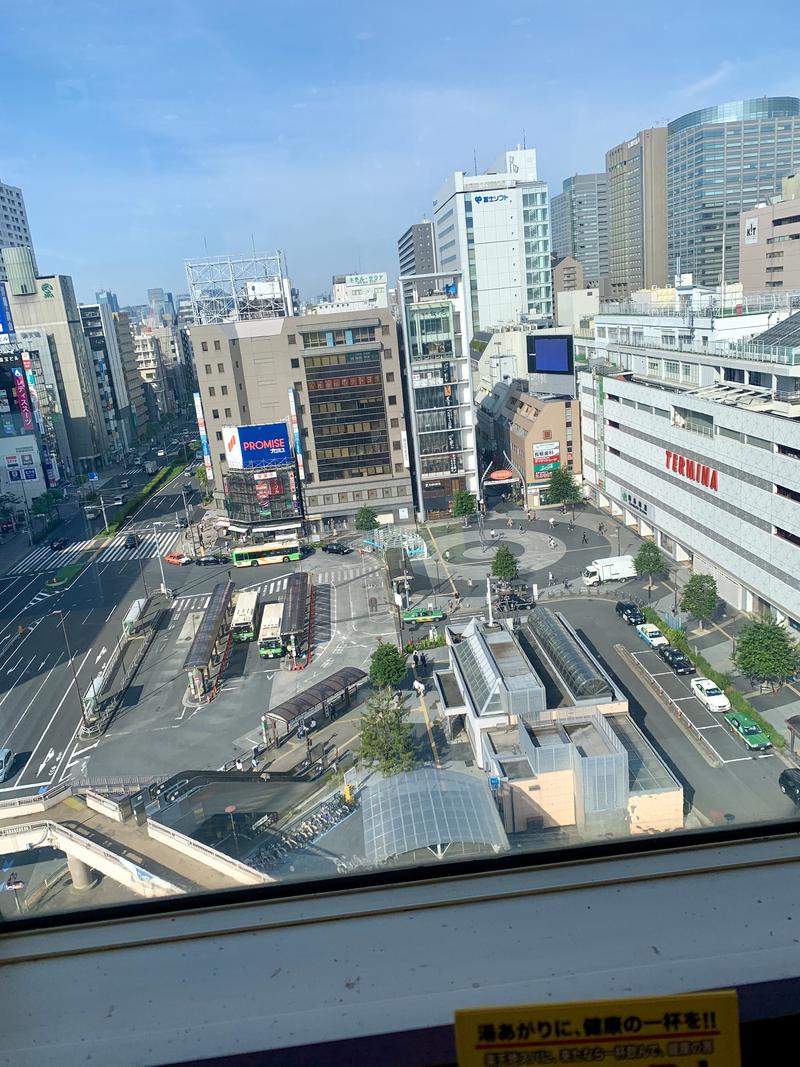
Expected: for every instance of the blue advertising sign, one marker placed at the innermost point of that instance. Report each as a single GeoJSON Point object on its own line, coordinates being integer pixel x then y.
{"type": "Point", "coordinates": [6, 325]}
{"type": "Point", "coordinates": [264, 445]}
{"type": "Point", "coordinates": [92, 476]}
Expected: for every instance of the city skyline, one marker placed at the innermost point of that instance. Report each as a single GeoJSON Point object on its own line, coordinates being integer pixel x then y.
{"type": "Point", "coordinates": [217, 157]}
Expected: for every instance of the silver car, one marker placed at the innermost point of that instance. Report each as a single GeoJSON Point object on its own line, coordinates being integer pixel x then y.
{"type": "Point", "coordinates": [6, 763]}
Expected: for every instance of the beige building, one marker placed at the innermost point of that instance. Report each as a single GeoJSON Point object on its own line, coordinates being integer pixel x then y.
{"type": "Point", "coordinates": [537, 433]}
{"type": "Point", "coordinates": [576, 310]}
{"type": "Point", "coordinates": [150, 365]}
{"type": "Point", "coordinates": [342, 374]}
{"type": "Point", "coordinates": [48, 304]}
{"type": "Point", "coordinates": [567, 277]}
{"type": "Point", "coordinates": [133, 380]}
{"type": "Point", "coordinates": [769, 242]}
{"type": "Point", "coordinates": [637, 212]}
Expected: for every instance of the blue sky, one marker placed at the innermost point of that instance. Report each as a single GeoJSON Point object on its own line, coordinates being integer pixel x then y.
{"type": "Point", "coordinates": [146, 133]}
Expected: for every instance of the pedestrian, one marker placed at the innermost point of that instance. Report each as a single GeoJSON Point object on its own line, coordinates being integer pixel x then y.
{"type": "Point", "coordinates": [520, 527]}
{"type": "Point", "coordinates": [534, 516]}
{"type": "Point", "coordinates": [510, 524]}
{"type": "Point", "coordinates": [551, 542]}
{"type": "Point", "coordinates": [415, 657]}
{"type": "Point", "coordinates": [229, 575]}
{"type": "Point", "coordinates": [584, 539]}
{"type": "Point", "coordinates": [572, 527]}
{"type": "Point", "coordinates": [469, 583]}
{"type": "Point", "coordinates": [424, 661]}
{"type": "Point", "coordinates": [450, 606]}
{"type": "Point", "coordinates": [563, 509]}
{"type": "Point", "coordinates": [552, 522]}
{"type": "Point", "coordinates": [528, 514]}
{"type": "Point", "coordinates": [447, 554]}
{"type": "Point", "coordinates": [549, 577]}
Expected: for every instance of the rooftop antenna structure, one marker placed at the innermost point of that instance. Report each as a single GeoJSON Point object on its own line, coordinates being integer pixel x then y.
{"type": "Point", "coordinates": [475, 161]}
{"type": "Point", "coordinates": [524, 140]}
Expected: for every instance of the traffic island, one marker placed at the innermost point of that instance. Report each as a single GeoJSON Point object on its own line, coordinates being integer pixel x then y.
{"type": "Point", "coordinates": [66, 576]}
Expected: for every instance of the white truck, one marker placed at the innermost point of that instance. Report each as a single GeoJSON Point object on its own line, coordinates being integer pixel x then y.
{"type": "Point", "coordinates": [610, 569]}
{"type": "Point", "coordinates": [150, 466]}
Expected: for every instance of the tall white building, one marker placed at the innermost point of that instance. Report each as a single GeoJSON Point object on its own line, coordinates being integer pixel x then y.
{"type": "Point", "coordinates": [494, 228]}
{"type": "Point", "coordinates": [14, 230]}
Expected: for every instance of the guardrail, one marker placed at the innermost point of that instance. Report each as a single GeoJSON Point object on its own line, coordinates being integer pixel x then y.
{"type": "Point", "coordinates": [206, 855]}
{"type": "Point", "coordinates": [699, 741]}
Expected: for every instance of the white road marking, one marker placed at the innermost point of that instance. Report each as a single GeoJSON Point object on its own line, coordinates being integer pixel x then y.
{"type": "Point", "coordinates": [46, 658]}
{"type": "Point", "coordinates": [46, 760]}
{"type": "Point", "coordinates": [27, 709]}
{"type": "Point", "coordinates": [14, 666]}
{"type": "Point", "coordinates": [28, 785]}
{"type": "Point", "coordinates": [100, 654]}
{"type": "Point", "coordinates": [111, 612]}
{"type": "Point", "coordinates": [80, 751]}
{"type": "Point", "coordinates": [60, 705]}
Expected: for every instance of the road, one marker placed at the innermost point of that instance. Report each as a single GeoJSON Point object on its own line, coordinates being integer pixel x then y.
{"type": "Point", "coordinates": [39, 705]}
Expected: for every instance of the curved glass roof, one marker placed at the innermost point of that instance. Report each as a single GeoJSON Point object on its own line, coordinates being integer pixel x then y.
{"type": "Point", "coordinates": [575, 667]}
{"type": "Point", "coordinates": [428, 808]}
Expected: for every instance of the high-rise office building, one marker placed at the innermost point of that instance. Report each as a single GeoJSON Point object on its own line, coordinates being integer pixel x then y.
{"type": "Point", "coordinates": [149, 362]}
{"type": "Point", "coordinates": [46, 306]}
{"type": "Point", "coordinates": [721, 161]}
{"type": "Point", "coordinates": [162, 308]}
{"type": "Point", "coordinates": [337, 379]}
{"type": "Point", "coordinates": [416, 249]}
{"type": "Point", "coordinates": [14, 229]}
{"type": "Point", "coordinates": [116, 424]}
{"type": "Point", "coordinates": [579, 224]}
{"type": "Point", "coordinates": [134, 383]}
{"type": "Point", "coordinates": [184, 310]}
{"type": "Point", "coordinates": [176, 359]}
{"type": "Point", "coordinates": [105, 296]}
{"type": "Point", "coordinates": [494, 229]}
{"type": "Point", "coordinates": [636, 172]}
{"type": "Point", "coordinates": [440, 392]}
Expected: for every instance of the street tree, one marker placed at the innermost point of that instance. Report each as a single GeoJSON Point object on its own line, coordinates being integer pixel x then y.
{"type": "Point", "coordinates": [766, 652]}
{"type": "Point", "coordinates": [504, 565]}
{"type": "Point", "coordinates": [649, 561]}
{"type": "Point", "coordinates": [700, 597]}
{"type": "Point", "coordinates": [562, 487]}
{"type": "Point", "coordinates": [387, 666]}
{"type": "Point", "coordinates": [366, 520]}
{"type": "Point", "coordinates": [202, 480]}
{"type": "Point", "coordinates": [386, 735]}
{"type": "Point", "coordinates": [463, 505]}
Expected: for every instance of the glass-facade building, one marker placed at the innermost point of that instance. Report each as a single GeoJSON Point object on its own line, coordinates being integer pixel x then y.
{"type": "Point", "coordinates": [579, 224]}
{"type": "Point", "coordinates": [440, 391]}
{"type": "Point", "coordinates": [721, 161]}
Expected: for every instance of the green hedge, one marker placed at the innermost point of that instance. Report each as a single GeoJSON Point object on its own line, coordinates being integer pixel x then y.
{"type": "Point", "coordinates": [67, 574]}
{"type": "Point", "coordinates": [740, 703]}
{"type": "Point", "coordinates": [424, 644]}
{"type": "Point", "coordinates": [164, 475]}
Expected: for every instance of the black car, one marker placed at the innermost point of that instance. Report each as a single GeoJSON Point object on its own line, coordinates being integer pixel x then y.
{"type": "Point", "coordinates": [674, 658]}
{"type": "Point", "coordinates": [789, 781]}
{"type": "Point", "coordinates": [58, 544]}
{"type": "Point", "coordinates": [211, 560]}
{"type": "Point", "coordinates": [181, 523]}
{"type": "Point", "coordinates": [630, 612]}
{"type": "Point", "coordinates": [131, 541]}
{"type": "Point", "coordinates": [511, 602]}
{"type": "Point", "coordinates": [337, 549]}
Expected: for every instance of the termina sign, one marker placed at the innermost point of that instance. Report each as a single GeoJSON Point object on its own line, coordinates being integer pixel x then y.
{"type": "Point", "coordinates": [263, 445]}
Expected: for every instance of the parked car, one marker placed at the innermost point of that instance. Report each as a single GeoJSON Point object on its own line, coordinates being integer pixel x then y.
{"type": "Point", "coordinates": [789, 782]}
{"type": "Point", "coordinates": [748, 731]}
{"type": "Point", "coordinates": [6, 763]}
{"type": "Point", "coordinates": [423, 614]}
{"type": "Point", "coordinates": [511, 602]}
{"type": "Point", "coordinates": [211, 559]}
{"type": "Point", "coordinates": [630, 612]}
{"type": "Point", "coordinates": [58, 543]}
{"type": "Point", "coordinates": [651, 635]}
{"type": "Point", "coordinates": [131, 540]}
{"type": "Point", "coordinates": [181, 523]}
{"type": "Point", "coordinates": [177, 558]}
{"type": "Point", "coordinates": [676, 659]}
{"type": "Point", "coordinates": [336, 548]}
{"type": "Point", "coordinates": [709, 694]}
{"type": "Point", "coordinates": [124, 484]}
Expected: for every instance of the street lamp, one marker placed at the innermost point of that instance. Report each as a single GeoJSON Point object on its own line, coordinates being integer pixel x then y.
{"type": "Point", "coordinates": [619, 550]}
{"type": "Point", "coordinates": [58, 611]}
{"type": "Point", "coordinates": [160, 559]}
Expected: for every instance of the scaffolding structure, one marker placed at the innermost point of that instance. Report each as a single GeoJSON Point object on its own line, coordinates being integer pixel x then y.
{"type": "Point", "coordinates": [234, 288]}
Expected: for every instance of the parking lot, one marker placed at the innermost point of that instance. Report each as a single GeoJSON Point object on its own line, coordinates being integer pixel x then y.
{"type": "Point", "coordinates": [709, 726]}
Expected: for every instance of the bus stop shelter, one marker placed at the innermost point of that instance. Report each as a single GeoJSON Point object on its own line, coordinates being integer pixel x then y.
{"type": "Point", "coordinates": [334, 694]}
{"type": "Point", "coordinates": [204, 659]}
{"type": "Point", "coordinates": [295, 620]}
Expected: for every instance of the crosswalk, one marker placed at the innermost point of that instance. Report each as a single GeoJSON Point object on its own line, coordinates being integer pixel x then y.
{"type": "Point", "coordinates": [270, 589]}
{"type": "Point", "coordinates": [149, 545]}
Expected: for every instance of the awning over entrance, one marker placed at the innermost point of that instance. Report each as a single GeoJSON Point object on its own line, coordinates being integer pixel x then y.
{"type": "Point", "coordinates": [292, 711]}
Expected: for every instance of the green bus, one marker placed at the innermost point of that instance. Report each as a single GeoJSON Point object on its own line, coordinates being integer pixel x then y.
{"type": "Point", "coordinates": [748, 731]}
{"type": "Point", "coordinates": [270, 642]}
{"type": "Point", "coordinates": [277, 552]}
{"type": "Point", "coordinates": [243, 627]}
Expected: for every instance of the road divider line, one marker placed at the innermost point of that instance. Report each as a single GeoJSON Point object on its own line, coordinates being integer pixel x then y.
{"type": "Point", "coordinates": [60, 705]}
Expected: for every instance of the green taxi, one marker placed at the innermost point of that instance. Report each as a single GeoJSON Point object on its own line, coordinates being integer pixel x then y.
{"type": "Point", "coordinates": [423, 614]}
{"type": "Point", "coordinates": [748, 731]}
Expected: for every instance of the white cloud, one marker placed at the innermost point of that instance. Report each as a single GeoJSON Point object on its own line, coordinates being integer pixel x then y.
{"type": "Point", "coordinates": [721, 74]}
{"type": "Point", "coordinates": [364, 35]}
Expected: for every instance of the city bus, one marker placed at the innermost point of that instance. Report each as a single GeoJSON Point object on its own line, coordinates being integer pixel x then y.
{"type": "Point", "coordinates": [294, 621]}
{"type": "Point", "coordinates": [243, 627]}
{"type": "Point", "coordinates": [277, 552]}
{"type": "Point", "coordinates": [270, 643]}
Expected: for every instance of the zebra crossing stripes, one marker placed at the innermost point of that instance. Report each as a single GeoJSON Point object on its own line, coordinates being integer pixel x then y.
{"type": "Point", "coordinates": [149, 546]}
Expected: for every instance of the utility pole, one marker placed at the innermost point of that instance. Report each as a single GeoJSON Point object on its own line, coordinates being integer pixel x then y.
{"type": "Point", "coordinates": [103, 509]}
{"type": "Point", "coordinates": [58, 611]}
{"type": "Point", "coordinates": [144, 583]}
{"type": "Point", "coordinates": [188, 523]}
{"type": "Point", "coordinates": [160, 558]}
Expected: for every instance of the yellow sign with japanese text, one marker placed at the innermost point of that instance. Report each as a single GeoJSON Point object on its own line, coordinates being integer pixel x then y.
{"type": "Point", "coordinates": [687, 1030]}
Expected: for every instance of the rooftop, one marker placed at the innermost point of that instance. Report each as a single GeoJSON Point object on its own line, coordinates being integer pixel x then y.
{"type": "Point", "coordinates": [646, 770]}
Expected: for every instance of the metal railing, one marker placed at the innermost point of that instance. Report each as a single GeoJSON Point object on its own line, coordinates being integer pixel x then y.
{"type": "Point", "coordinates": [751, 351]}
{"type": "Point", "coordinates": [716, 306]}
